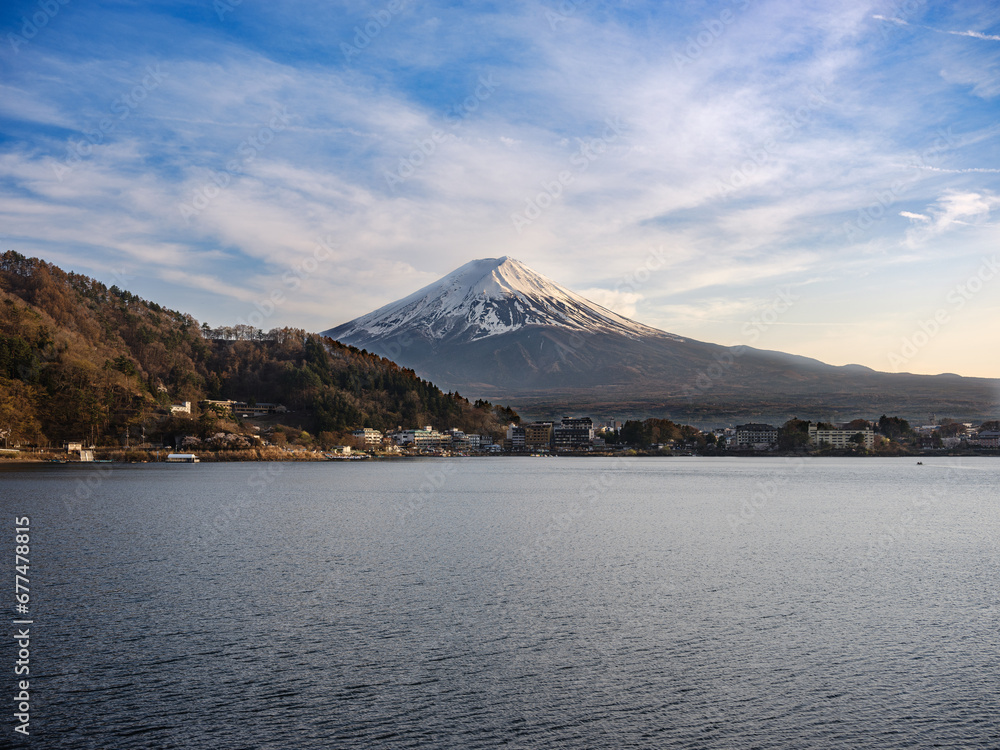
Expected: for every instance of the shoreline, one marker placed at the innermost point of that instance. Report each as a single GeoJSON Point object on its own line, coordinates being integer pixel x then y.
{"type": "Point", "coordinates": [207, 458]}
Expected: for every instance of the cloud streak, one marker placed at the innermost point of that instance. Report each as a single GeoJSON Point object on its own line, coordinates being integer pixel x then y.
{"type": "Point", "coordinates": [973, 34]}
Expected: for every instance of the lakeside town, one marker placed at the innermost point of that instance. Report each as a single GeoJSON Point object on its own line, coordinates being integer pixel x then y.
{"type": "Point", "coordinates": [583, 435]}
{"type": "Point", "coordinates": [255, 431]}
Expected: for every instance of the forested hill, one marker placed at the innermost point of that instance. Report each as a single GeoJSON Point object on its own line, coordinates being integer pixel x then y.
{"type": "Point", "coordinates": [79, 360]}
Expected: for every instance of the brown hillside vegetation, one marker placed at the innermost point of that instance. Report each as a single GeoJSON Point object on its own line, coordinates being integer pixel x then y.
{"type": "Point", "coordinates": [80, 360]}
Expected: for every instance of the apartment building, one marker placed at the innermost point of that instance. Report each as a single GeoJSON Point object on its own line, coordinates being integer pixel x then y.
{"type": "Point", "coordinates": [839, 438]}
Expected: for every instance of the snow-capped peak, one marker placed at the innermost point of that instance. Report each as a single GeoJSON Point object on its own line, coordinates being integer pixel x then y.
{"type": "Point", "coordinates": [485, 298]}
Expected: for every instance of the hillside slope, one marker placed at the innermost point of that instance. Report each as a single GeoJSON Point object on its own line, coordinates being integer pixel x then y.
{"type": "Point", "coordinates": [79, 360]}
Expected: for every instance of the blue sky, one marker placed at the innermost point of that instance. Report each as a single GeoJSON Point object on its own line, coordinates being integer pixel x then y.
{"type": "Point", "coordinates": [816, 178]}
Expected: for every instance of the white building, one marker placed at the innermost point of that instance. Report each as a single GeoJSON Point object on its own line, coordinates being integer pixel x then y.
{"type": "Point", "coordinates": [184, 408]}
{"type": "Point", "coordinates": [370, 436]}
{"type": "Point", "coordinates": [839, 438]}
{"type": "Point", "coordinates": [515, 434]}
{"type": "Point", "coordinates": [182, 458]}
{"type": "Point", "coordinates": [426, 439]}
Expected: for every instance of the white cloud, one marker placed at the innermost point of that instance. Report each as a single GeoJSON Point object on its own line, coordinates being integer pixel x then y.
{"type": "Point", "coordinates": [951, 212]}
{"type": "Point", "coordinates": [623, 303]}
{"type": "Point", "coordinates": [211, 284]}
{"type": "Point", "coordinates": [965, 208]}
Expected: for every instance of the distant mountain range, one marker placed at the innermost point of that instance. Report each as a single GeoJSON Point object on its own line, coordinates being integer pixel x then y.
{"type": "Point", "coordinates": [495, 328]}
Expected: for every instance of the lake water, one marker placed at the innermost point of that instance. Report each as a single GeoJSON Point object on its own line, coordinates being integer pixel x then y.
{"type": "Point", "coordinates": [512, 602]}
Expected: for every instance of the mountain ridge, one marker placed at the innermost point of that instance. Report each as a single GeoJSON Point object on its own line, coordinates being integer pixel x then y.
{"type": "Point", "coordinates": [556, 347]}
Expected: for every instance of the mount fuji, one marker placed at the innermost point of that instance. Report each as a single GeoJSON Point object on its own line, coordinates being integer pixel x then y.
{"type": "Point", "coordinates": [495, 328]}
{"type": "Point", "coordinates": [487, 298]}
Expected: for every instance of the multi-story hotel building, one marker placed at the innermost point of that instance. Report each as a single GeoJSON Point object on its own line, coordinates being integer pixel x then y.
{"type": "Point", "coordinates": [839, 438]}
{"type": "Point", "coordinates": [754, 435]}
{"type": "Point", "coordinates": [538, 435]}
{"type": "Point", "coordinates": [574, 432]}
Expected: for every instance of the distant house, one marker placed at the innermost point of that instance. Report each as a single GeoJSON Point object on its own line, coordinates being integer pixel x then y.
{"type": "Point", "coordinates": [84, 453]}
{"type": "Point", "coordinates": [184, 408]}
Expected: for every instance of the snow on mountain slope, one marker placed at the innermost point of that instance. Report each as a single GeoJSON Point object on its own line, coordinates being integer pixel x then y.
{"type": "Point", "coordinates": [485, 298]}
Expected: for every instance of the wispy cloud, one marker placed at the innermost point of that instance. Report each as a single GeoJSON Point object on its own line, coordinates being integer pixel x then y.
{"type": "Point", "coordinates": [973, 34]}
{"type": "Point", "coordinates": [622, 302]}
{"type": "Point", "coordinates": [954, 209]}
{"type": "Point", "coordinates": [967, 170]}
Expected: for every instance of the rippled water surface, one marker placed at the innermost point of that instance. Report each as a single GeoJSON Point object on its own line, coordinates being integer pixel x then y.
{"type": "Point", "coordinates": [514, 602]}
